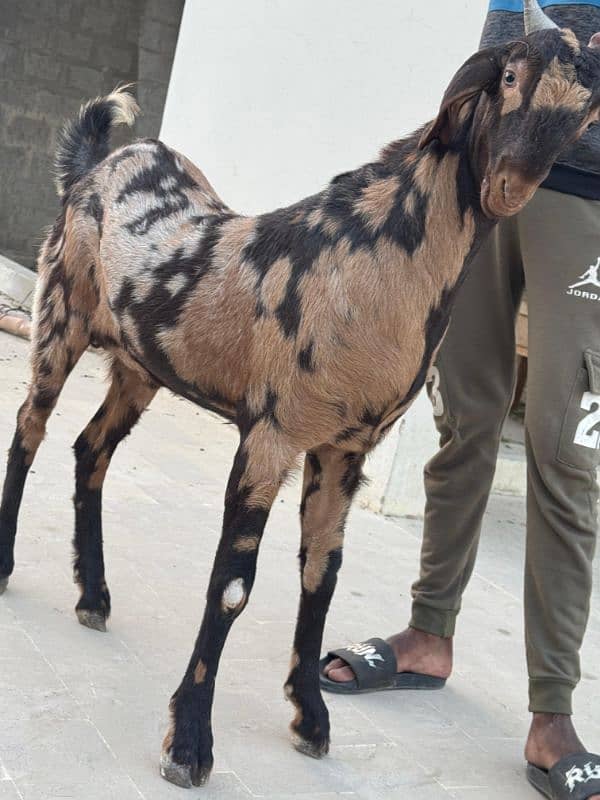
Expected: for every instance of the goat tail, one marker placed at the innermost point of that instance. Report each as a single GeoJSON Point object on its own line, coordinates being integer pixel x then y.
{"type": "Point", "coordinates": [84, 141]}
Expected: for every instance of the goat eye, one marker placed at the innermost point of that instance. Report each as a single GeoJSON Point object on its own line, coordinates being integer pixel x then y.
{"type": "Point", "coordinates": [510, 78]}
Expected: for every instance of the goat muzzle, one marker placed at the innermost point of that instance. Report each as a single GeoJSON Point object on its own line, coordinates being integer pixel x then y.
{"type": "Point", "coordinates": [505, 193]}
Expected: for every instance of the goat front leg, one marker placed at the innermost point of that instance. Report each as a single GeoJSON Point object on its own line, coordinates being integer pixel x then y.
{"type": "Point", "coordinates": [260, 466]}
{"type": "Point", "coordinates": [331, 478]}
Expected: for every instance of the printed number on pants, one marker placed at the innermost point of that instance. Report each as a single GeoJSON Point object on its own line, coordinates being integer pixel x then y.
{"type": "Point", "coordinates": [586, 434]}
{"type": "Point", "coordinates": [433, 377]}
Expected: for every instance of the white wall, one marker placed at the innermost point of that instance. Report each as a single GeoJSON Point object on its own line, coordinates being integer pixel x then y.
{"type": "Point", "coordinates": [271, 98]}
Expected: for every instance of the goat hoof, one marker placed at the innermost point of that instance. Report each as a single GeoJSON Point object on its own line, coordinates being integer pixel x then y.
{"type": "Point", "coordinates": [3, 584]}
{"type": "Point", "coordinates": [91, 619]}
{"type": "Point", "coordinates": [182, 774]}
{"type": "Point", "coordinates": [179, 774]}
{"type": "Point", "coordinates": [313, 749]}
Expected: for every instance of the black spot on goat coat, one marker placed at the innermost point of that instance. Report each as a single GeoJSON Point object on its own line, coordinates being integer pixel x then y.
{"type": "Point", "coordinates": [311, 327]}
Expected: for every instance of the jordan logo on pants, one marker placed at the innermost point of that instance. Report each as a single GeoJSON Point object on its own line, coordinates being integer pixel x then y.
{"type": "Point", "coordinates": [589, 278]}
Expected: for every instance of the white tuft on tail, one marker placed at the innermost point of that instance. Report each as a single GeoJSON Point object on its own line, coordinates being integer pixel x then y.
{"type": "Point", "coordinates": [126, 109]}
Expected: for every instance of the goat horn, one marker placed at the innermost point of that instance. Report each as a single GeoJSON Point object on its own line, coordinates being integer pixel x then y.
{"type": "Point", "coordinates": [535, 19]}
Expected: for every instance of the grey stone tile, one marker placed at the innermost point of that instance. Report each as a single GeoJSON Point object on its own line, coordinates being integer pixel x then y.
{"type": "Point", "coordinates": [383, 770]}
{"type": "Point", "coordinates": [481, 713]}
{"type": "Point", "coordinates": [8, 790]}
{"type": "Point", "coordinates": [499, 792]}
{"type": "Point", "coordinates": [309, 796]}
{"type": "Point", "coordinates": [16, 281]}
{"type": "Point", "coordinates": [408, 716]}
{"type": "Point", "coordinates": [63, 759]}
{"type": "Point", "coordinates": [224, 786]}
{"type": "Point", "coordinates": [460, 763]}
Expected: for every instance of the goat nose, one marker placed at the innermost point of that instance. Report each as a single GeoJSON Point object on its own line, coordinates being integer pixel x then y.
{"type": "Point", "coordinates": [515, 187]}
{"type": "Point", "coordinates": [508, 192]}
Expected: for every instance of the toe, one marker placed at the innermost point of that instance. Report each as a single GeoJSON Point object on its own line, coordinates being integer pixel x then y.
{"type": "Point", "coordinates": [338, 670]}
{"type": "Point", "coordinates": [342, 674]}
{"type": "Point", "coordinates": [335, 663]}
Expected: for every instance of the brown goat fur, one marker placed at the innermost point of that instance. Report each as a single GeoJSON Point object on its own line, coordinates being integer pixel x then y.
{"type": "Point", "coordinates": [311, 327]}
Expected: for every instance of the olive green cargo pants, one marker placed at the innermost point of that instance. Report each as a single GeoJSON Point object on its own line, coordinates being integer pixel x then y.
{"type": "Point", "coordinates": [553, 246]}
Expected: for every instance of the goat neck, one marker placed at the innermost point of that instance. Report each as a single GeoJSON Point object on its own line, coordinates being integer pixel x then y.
{"type": "Point", "coordinates": [437, 211]}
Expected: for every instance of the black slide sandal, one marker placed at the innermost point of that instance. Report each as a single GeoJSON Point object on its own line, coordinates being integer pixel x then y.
{"type": "Point", "coordinates": [574, 777]}
{"type": "Point", "coordinates": [374, 665]}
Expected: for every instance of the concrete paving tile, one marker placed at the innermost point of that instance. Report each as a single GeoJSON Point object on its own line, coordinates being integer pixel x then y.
{"type": "Point", "coordinates": [479, 713]}
{"type": "Point", "coordinates": [384, 770]}
{"type": "Point", "coordinates": [64, 759]}
{"type": "Point", "coordinates": [406, 716]}
{"type": "Point", "coordinates": [351, 727]}
{"type": "Point", "coordinates": [511, 749]}
{"type": "Point", "coordinates": [261, 674]}
{"type": "Point", "coordinates": [272, 640]}
{"type": "Point", "coordinates": [9, 791]}
{"type": "Point", "coordinates": [498, 792]}
{"type": "Point", "coordinates": [281, 767]}
{"type": "Point", "coordinates": [223, 786]}
{"type": "Point", "coordinates": [19, 649]}
{"type": "Point", "coordinates": [30, 705]}
{"type": "Point", "coordinates": [17, 281]}
{"type": "Point", "coordinates": [426, 791]}
{"type": "Point", "coordinates": [309, 796]}
{"type": "Point", "coordinates": [461, 763]}
{"type": "Point", "coordinates": [429, 791]}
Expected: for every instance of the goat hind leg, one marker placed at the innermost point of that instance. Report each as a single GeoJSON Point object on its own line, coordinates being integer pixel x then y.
{"type": "Point", "coordinates": [259, 468]}
{"type": "Point", "coordinates": [128, 396]}
{"type": "Point", "coordinates": [30, 430]}
{"type": "Point", "coordinates": [56, 347]}
{"type": "Point", "coordinates": [331, 478]}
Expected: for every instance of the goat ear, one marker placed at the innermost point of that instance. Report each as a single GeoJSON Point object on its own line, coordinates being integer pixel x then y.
{"type": "Point", "coordinates": [480, 72]}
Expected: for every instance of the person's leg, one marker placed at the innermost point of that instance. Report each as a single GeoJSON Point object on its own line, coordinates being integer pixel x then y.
{"type": "Point", "coordinates": [560, 236]}
{"type": "Point", "coordinates": [471, 387]}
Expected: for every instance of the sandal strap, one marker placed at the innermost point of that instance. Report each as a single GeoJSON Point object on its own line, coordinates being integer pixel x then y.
{"type": "Point", "coordinates": [372, 661]}
{"type": "Point", "coordinates": [576, 777]}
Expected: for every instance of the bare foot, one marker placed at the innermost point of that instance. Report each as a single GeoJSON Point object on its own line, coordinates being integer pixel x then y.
{"type": "Point", "coordinates": [552, 737]}
{"type": "Point", "coordinates": [416, 651]}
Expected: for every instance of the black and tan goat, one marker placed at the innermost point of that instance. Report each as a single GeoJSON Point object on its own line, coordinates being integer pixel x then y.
{"type": "Point", "coordinates": [312, 327]}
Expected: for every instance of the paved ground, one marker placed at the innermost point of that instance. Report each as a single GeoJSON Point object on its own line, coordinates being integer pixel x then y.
{"type": "Point", "coordinates": [83, 713]}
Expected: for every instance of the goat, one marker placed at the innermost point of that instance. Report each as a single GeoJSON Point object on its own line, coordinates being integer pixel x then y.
{"type": "Point", "coordinates": [312, 328]}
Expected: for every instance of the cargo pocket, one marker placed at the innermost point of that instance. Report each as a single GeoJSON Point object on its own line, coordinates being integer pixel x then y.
{"type": "Point", "coordinates": [579, 444]}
